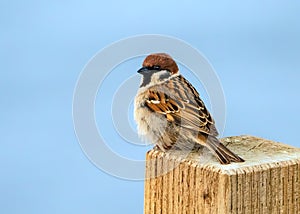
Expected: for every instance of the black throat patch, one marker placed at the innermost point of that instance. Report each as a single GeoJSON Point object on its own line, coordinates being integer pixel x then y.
{"type": "Point", "coordinates": [146, 78]}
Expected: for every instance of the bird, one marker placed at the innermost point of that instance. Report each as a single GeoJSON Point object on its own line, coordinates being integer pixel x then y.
{"type": "Point", "coordinates": [169, 112]}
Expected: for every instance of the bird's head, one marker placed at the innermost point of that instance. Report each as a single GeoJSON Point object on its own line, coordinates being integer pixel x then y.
{"type": "Point", "coordinates": [157, 68]}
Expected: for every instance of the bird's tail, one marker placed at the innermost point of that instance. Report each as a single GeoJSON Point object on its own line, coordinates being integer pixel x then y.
{"type": "Point", "coordinates": [224, 155]}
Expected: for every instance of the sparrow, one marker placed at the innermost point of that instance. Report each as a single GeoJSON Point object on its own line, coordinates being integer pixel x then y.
{"type": "Point", "coordinates": [169, 112]}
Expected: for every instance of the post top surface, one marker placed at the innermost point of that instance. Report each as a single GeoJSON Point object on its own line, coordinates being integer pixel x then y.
{"type": "Point", "coordinates": [258, 154]}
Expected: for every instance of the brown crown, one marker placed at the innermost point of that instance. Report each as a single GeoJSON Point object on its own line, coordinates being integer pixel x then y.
{"type": "Point", "coordinates": [163, 60]}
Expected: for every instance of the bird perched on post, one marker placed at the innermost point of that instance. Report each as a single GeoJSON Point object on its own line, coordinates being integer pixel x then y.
{"type": "Point", "coordinates": [170, 113]}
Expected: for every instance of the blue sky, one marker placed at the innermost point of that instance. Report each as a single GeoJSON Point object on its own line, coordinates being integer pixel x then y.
{"type": "Point", "coordinates": [254, 47]}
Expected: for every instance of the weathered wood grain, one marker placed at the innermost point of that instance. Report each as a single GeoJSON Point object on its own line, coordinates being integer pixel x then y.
{"type": "Point", "coordinates": [195, 183]}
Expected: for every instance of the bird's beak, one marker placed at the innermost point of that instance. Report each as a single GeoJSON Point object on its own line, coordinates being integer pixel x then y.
{"type": "Point", "coordinates": [143, 70]}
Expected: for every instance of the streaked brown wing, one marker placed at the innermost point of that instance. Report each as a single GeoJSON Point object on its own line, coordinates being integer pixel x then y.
{"type": "Point", "coordinates": [179, 101]}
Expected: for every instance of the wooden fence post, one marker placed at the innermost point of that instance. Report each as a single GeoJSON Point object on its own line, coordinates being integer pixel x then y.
{"type": "Point", "coordinates": [268, 182]}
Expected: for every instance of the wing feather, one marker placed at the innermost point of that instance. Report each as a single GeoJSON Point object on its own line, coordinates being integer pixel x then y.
{"type": "Point", "coordinates": [185, 108]}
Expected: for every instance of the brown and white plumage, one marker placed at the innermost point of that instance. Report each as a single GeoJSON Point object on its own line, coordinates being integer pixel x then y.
{"type": "Point", "coordinates": [170, 113]}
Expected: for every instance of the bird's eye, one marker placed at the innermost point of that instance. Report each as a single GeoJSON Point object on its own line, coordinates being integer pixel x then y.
{"type": "Point", "coordinates": [156, 67]}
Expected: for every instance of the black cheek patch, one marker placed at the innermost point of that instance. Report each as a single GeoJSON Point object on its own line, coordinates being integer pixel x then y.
{"type": "Point", "coordinates": [164, 76]}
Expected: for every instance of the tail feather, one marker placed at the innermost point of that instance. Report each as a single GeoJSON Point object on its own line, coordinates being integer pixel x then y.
{"type": "Point", "coordinates": [224, 155]}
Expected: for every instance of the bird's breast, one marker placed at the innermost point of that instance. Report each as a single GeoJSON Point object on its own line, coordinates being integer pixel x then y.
{"type": "Point", "coordinates": [147, 120]}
